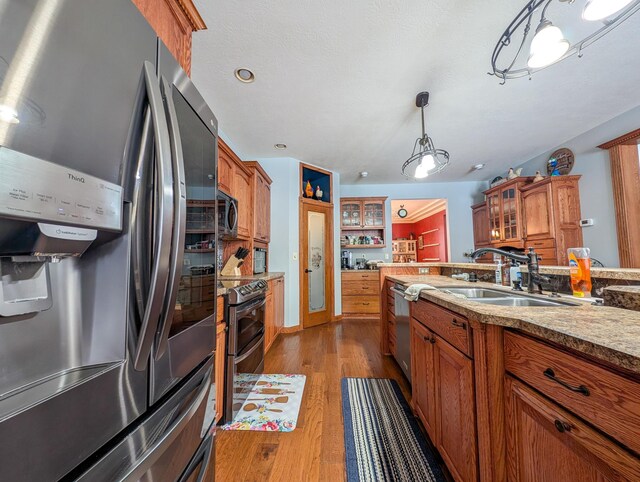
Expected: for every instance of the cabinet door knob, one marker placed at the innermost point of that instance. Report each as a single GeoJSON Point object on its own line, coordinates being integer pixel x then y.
{"type": "Point", "coordinates": [458, 324]}
{"type": "Point", "coordinates": [432, 340]}
{"type": "Point", "coordinates": [562, 426]}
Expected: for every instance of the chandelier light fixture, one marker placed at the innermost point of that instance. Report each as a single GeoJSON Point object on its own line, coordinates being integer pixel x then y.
{"type": "Point", "coordinates": [546, 45]}
{"type": "Point", "coordinates": [425, 158]}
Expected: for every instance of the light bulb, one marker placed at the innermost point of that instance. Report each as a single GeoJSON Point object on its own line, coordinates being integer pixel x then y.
{"type": "Point", "coordinates": [600, 9]}
{"type": "Point", "coordinates": [428, 162]}
{"type": "Point", "coordinates": [547, 46]}
{"type": "Point", "coordinates": [421, 172]}
{"type": "Point", "coordinates": [8, 114]}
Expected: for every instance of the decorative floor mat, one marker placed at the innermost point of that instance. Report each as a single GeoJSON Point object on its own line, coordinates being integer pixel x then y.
{"type": "Point", "coordinates": [272, 406]}
{"type": "Point", "coordinates": [382, 439]}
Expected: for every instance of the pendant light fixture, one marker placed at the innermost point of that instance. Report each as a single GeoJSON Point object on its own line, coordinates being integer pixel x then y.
{"type": "Point", "coordinates": [425, 158]}
{"type": "Point", "coordinates": [548, 44]}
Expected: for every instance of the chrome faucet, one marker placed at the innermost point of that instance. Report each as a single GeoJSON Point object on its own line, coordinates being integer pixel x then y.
{"type": "Point", "coordinates": [531, 258]}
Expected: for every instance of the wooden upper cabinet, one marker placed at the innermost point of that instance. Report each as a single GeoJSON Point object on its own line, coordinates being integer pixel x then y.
{"type": "Point", "coordinates": [539, 213]}
{"type": "Point", "coordinates": [481, 231]}
{"type": "Point", "coordinates": [226, 167]}
{"type": "Point", "coordinates": [547, 444]}
{"type": "Point", "coordinates": [262, 203]}
{"type": "Point", "coordinates": [551, 215]}
{"type": "Point", "coordinates": [504, 211]}
{"type": "Point", "coordinates": [173, 21]}
{"type": "Point", "coordinates": [243, 192]}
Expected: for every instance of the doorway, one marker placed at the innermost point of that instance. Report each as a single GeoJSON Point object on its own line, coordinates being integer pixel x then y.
{"type": "Point", "coordinates": [420, 232]}
{"type": "Point", "coordinates": [316, 263]}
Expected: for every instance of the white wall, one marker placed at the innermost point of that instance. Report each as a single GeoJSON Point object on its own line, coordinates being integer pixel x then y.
{"type": "Point", "coordinates": [459, 195]}
{"type": "Point", "coordinates": [596, 193]}
{"type": "Point", "coordinates": [285, 229]}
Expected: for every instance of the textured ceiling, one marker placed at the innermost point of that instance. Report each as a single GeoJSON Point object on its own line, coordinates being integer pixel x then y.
{"type": "Point", "coordinates": [336, 81]}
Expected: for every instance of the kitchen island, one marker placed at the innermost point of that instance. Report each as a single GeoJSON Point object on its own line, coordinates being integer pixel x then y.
{"type": "Point", "coordinates": [508, 393]}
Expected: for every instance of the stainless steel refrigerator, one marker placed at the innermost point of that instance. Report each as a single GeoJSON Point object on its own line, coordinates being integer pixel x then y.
{"type": "Point", "coordinates": [108, 160]}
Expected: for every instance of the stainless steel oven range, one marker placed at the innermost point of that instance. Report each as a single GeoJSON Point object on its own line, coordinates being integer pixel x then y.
{"type": "Point", "coordinates": [245, 306]}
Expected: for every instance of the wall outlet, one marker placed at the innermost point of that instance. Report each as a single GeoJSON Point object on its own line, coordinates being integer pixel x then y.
{"type": "Point", "coordinates": [423, 270]}
{"type": "Point", "coordinates": [295, 256]}
{"type": "Point", "coordinates": [186, 262]}
{"type": "Point", "coordinates": [386, 255]}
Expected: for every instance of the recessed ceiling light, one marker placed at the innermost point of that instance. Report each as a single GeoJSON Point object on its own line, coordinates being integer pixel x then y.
{"type": "Point", "coordinates": [244, 75]}
{"type": "Point", "coordinates": [280, 146]}
{"type": "Point", "coordinates": [477, 167]}
{"type": "Point", "coordinates": [364, 173]}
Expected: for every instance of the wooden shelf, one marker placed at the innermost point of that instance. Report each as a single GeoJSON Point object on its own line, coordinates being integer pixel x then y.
{"type": "Point", "coordinates": [362, 246]}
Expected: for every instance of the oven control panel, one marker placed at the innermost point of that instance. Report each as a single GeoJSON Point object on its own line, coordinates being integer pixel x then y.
{"type": "Point", "coordinates": [33, 189]}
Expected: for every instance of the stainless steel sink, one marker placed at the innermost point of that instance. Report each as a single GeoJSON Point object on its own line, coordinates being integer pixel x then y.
{"type": "Point", "coordinates": [521, 301]}
{"type": "Point", "coordinates": [490, 296]}
{"type": "Point", "coordinates": [476, 292]}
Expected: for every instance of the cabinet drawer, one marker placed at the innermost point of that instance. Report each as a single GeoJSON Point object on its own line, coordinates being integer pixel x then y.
{"type": "Point", "coordinates": [545, 439]}
{"type": "Point", "coordinates": [361, 304]}
{"type": "Point", "coordinates": [220, 309]}
{"type": "Point", "coordinates": [607, 400]}
{"type": "Point", "coordinates": [450, 326]}
{"type": "Point", "coordinates": [547, 256]}
{"type": "Point", "coordinates": [360, 275]}
{"type": "Point", "coordinates": [363, 288]}
{"type": "Point", "coordinates": [540, 243]}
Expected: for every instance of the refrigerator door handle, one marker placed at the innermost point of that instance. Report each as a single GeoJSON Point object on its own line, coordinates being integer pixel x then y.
{"type": "Point", "coordinates": [163, 222]}
{"type": "Point", "coordinates": [179, 221]}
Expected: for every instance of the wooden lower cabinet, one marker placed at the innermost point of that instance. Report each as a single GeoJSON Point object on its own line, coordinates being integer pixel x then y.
{"type": "Point", "coordinates": [274, 312]}
{"type": "Point", "coordinates": [361, 294]}
{"type": "Point", "coordinates": [547, 444]}
{"type": "Point", "coordinates": [443, 391]}
{"type": "Point", "coordinates": [423, 374]}
{"type": "Point", "coordinates": [220, 360]}
{"type": "Point", "coordinates": [455, 410]}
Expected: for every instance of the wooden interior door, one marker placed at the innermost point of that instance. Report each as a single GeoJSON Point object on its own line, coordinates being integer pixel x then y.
{"type": "Point", "coordinates": [316, 263]}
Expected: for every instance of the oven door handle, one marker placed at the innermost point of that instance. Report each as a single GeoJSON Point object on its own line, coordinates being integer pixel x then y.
{"type": "Point", "coordinates": [259, 342]}
{"type": "Point", "coordinates": [163, 221]}
{"type": "Point", "coordinates": [179, 221]}
{"type": "Point", "coordinates": [259, 303]}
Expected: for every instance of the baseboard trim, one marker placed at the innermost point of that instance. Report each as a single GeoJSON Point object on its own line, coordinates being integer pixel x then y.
{"type": "Point", "coordinates": [336, 318]}
{"type": "Point", "coordinates": [290, 329]}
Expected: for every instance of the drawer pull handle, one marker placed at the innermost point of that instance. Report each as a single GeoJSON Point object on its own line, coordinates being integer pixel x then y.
{"type": "Point", "coordinates": [459, 324]}
{"type": "Point", "coordinates": [549, 373]}
{"type": "Point", "coordinates": [366, 304]}
{"type": "Point", "coordinates": [562, 426]}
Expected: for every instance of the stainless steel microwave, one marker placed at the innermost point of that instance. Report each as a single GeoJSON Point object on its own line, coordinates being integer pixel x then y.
{"type": "Point", "coordinates": [227, 216]}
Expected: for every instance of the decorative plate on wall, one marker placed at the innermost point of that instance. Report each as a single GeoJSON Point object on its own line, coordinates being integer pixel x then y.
{"type": "Point", "coordinates": [561, 162]}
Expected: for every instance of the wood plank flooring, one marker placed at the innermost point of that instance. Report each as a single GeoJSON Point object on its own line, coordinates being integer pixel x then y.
{"type": "Point", "coordinates": [314, 451]}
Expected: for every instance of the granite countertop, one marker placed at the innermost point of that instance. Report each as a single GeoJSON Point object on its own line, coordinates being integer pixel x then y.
{"type": "Point", "coordinates": [627, 274]}
{"type": "Point", "coordinates": [225, 282]}
{"type": "Point", "coordinates": [606, 333]}
{"type": "Point", "coordinates": [623, 296]}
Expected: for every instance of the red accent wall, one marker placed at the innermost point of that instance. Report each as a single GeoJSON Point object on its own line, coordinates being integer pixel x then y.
{"type": "Point", "coordinates": [437, 238]}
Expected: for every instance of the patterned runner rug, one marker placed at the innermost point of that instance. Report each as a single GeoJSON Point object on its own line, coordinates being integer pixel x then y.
{"type": "Point", "coordinates": [382, 439]}
{"type": "Point", "coordinates": [272, 406]}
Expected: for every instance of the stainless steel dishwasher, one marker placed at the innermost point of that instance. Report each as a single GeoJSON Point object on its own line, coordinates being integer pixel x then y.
{"type": "Point", "coordinates": [403, 332]}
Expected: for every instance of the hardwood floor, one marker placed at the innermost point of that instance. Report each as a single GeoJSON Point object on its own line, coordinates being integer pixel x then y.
{"type": "Point", "coordinates": [314, 451]}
